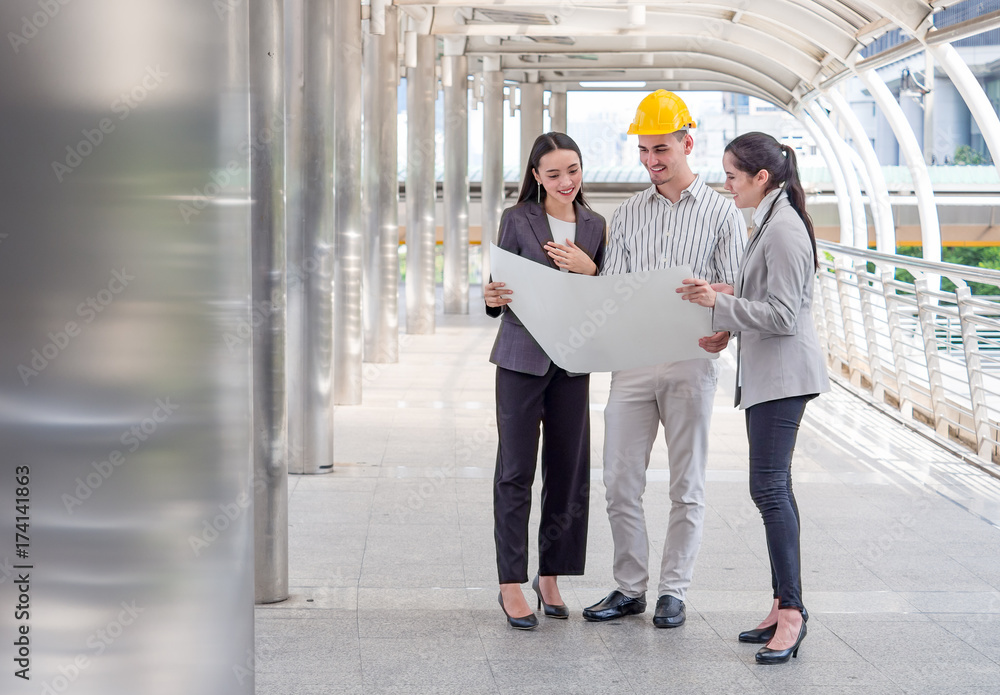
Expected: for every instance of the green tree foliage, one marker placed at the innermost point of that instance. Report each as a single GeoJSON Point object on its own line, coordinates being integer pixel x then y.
{"type": "Point", "coordinates": [975, 256]}
{"type": "Point", "coordinates": [966, 155]}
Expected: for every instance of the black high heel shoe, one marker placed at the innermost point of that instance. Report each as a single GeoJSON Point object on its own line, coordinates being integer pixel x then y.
{"type": "Point", "coordinates": [551, 611]}
{"type": "Point", "coordinates": [763, 635]}
{"type": "Point", "coordinates": [528, 622]}
{"type": "Point", "coordinates": [766, 655]}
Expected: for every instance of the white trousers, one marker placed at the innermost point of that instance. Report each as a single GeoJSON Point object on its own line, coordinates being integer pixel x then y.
{"type": "Point", "coordinates": [680, 395]}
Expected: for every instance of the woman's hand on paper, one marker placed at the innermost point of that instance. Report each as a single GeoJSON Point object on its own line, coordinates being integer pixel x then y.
{"type": "Point", "coordinates": [702, 292]}
{"type": "Point", "coordinates": [495, 294]}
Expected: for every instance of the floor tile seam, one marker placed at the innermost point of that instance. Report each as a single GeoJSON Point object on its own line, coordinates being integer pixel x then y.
{"type": "Point", "coordinates": [853, 650]}
{"type": "Point", "coordinates": [364, 553]}
{"type": "Point", "coordinates": [489, 662]}
{"type": "Point", "coordinates": [465, 581]}
{"type": "Point", "coordinates": [958, 559]}
{"type": "Point", "coordinates": [944, 625]}
{"type": "Point", "coordinates": [874, 665]}
{"type": "Point", "coordinates": [618, 666]}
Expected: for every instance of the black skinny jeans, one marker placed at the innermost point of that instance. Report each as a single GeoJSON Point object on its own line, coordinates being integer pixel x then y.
{"type": "Point", "coordinates": [771, 430]}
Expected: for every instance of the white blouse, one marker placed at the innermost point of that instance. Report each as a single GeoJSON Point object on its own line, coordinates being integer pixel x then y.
{"type": "Point", "coordinates": [561, 231]}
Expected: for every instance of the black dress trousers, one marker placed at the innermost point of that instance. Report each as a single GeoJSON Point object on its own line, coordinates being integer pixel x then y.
{"type": "Point", "coordinates": [560, 404]}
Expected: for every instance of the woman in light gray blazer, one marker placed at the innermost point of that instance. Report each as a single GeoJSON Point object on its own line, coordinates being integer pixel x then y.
{"type": "Point", "coordinates": [553, 225]}
{"type": "Point", "coordinates": [780, 364]}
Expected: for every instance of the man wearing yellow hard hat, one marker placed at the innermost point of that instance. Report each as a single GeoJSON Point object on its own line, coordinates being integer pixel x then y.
{"type": "Point", "coordinates": [678, 220]}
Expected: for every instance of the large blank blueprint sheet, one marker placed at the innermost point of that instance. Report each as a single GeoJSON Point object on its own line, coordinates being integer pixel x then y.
{"type": "Point", "coordinates": [604, 323]}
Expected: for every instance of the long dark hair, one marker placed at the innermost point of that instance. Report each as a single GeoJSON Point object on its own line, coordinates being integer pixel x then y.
{"type": "Point", "coordinates": [531, 190]}
{"type": "Point", "coordinates": [753, 152]}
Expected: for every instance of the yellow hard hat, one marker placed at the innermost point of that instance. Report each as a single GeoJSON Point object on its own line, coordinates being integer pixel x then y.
{"type": "Point", "coordinates": [659, 113]}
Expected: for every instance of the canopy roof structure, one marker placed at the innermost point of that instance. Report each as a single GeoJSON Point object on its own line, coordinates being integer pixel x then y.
{"type": "Point", "coordinates": [783, 51]}
{"type": "Point", "coordinates": [791, 53]}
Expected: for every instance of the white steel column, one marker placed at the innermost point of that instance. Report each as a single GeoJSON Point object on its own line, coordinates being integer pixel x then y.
{"type": "Point", "coordinates": [532, 105]}
{"type": "Point", "coordinates": [929, 106]}
{"type": "Point", "coordinates": [381, 195]}
{"type": "Point", "coordinates": [866, 185]}
{"type": "Point", "coordinates": [492, 186]}
{"type": "Point", "coordinates": [858, 236]}
{"type": "Point", "coordinates": [421, 185]}
{"type": "Point", "coordinates": [347, 331]}
{"type": "Point", "coordinates": [455, 82]}
{"type": "Point", "coordinates": [930, 228]}
{"type": "Point", "coordinates": [878, 193]}
{"type": "Point", "coordinates": [557, 108]}
{"type": "Point", "coordinates": [972, 92]}
{"type": "Point", "coordinates": [839, 185]}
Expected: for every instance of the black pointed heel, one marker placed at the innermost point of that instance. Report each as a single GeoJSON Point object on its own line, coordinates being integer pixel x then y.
{"type": "Point", "coordinates": [763, 635]}
{"type": "Point", "coordinates": [551, 611]}
{"type": "Point", "coordinates": [528, 622]}
{"type": "Point", "coordinates": [767, 655]}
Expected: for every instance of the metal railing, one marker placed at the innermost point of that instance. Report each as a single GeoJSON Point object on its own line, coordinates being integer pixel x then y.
{"type": "Point", "coordinates": [932, 354]}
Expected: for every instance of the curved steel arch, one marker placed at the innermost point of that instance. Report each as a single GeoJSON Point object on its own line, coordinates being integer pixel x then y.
{"type": "Point", "coordinates": [689, 29]}
{"type": "Point", "coordinates": [832, 36]}
{"type": "Point", "coordinates": [789, 73]}
{"type": "Point", "coordinates": [712, 85]}
{"type": "Point", "coordinates": [781, 51]}
{"type": "Point", "coordinates": [716, 68]}
{"type": "Point", "coordinates": [911, 15]}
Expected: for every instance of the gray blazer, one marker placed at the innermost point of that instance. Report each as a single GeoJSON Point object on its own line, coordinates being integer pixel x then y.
{"type": "Point", "coordinates": [524, 230]}
{"type": "Point", "coordinates": [778, 352]}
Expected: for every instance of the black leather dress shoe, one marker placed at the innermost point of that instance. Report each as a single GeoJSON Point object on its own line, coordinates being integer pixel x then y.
{"type": "Point", "coordinates": [614, 605]}
{"type": "Point", "coordinates": [670, 612]}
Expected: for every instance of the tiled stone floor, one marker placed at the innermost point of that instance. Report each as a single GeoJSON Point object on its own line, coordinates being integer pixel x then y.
{"type": "Point", "coordinates": [393, 585]}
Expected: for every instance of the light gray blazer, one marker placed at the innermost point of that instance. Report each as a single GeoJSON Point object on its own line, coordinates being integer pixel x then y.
{"type": "Point", "coordinates": [778, 352]}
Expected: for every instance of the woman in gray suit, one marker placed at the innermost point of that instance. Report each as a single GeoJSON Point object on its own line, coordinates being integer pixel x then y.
{"type": "Point", "coordinates": [780, 364]}
{"type": "Point", "coordinates": [550, 224]}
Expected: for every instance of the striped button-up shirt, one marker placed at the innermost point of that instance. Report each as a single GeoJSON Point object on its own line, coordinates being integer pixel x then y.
{"type": "Point", "coordinates": [703, 230]}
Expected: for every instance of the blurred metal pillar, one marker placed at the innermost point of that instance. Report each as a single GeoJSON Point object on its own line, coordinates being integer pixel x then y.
{"type": "Point", "coordinates": [421, 187]}
{"type": "Point", "coordinates": [348, 245]}
{"type": "Point", "coordinates": [930, 228]}
{"type": "Point", "coordinates": [318, 231]}
{"type": "Point", "coordinates": [492, 186]}
{"type": "Point", "coordinates": [557, 108]}
{"type": "Point", "coordinates": [295, 285]}
{"type": "Point", "coordinates": [455, 81]}
{"type": "Point", "coordinates": [531, 108]}
{"type": "Point", "coordinates": [381, 195]}
{"type": "Point", "coordinates": [125, 373]}
{"type": "Point", "coordinates": [267, 240]}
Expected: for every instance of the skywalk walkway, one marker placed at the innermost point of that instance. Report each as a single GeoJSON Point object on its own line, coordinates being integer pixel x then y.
{"type": "Point", "coordinates": [393, 577]}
